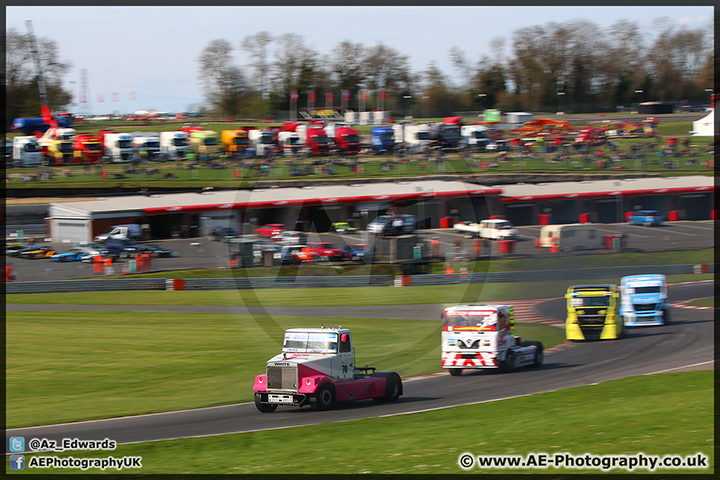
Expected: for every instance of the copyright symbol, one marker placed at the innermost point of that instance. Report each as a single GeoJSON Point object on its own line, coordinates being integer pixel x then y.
{"type": "Point", "coordinates": [34, 444]}
{"type": "Point", "coordinates": [466, 461]}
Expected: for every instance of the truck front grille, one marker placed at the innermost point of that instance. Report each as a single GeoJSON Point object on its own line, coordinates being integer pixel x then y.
{"type": "Point", "coordinates": [645, 307]}
{"type": "Point", "coordinates": [474, 345]}
{"type": "Point", "coordinates": [591, 320]}
{"type": "Point", "coordinates": [282, 378]}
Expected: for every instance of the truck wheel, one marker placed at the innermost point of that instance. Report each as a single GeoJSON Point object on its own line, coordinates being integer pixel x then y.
{"type": "Point", "coordinates": [264, 407]}
{"type": "Point", "coordinates": [538, 358]}
{"type": "Point", "coordinates": [508, 365]}
{"type": "Point", "coordinates": [455, 372]}
{"type": "Point", "coordinates": [323, 399]}
{"type": "Point", "coordinates": [393, 389]}
{"type": "Point", "coordinates": [666, 316]}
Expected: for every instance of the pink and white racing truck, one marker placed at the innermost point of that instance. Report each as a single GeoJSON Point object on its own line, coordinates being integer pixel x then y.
{"type": "Point", "coordinates": [482, 336]}
{"type": "Point", "coordinates": [317, 368]}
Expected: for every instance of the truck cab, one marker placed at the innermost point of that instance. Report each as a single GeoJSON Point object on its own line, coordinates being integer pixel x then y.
{"type": "Point", "coordinates": [592, 313]}
{"type": "Point", "coordinates": [234, 140]}
{"type": "Point", "coordinates": [382, 139]}
{"type": "Point", "coordinates": [147, 144]}
{"type": "Point", "coordinates": [204, 141]}
{"type": "Point", "coordinates": [26, 152]}
{"type": "Point", "coordinates": [644, 300]}
{"type": "Point", "coordinates": [174, 145]}
{"type": "Point", "coordinates": [475, 137]}
{"type": "Point", "coordinates": [317, 367]}
{"type": "Point", "coordinates": [483, 336]}
{"type": "Point", "coordinates": [88, 149]}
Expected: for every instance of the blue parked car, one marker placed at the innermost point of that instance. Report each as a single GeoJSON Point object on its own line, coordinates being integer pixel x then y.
{"type": "Point", "coordinates": [649, 218]}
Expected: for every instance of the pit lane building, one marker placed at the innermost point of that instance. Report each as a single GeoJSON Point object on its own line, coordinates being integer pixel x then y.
{"type": "Point", "coordinates": [436, 204]}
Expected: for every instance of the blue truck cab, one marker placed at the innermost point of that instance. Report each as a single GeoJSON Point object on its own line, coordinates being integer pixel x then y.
{"type": "Point", "coordinates": [644, 300]}
{"type": "Point", "coordinates": [382, 139]}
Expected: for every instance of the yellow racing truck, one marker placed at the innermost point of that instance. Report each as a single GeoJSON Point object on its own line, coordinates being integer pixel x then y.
{"type": "Point", "coordinates": [592, 313]}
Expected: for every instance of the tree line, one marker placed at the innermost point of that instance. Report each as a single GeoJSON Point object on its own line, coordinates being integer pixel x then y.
{"type": "Point", "coordinates": [575, 65]}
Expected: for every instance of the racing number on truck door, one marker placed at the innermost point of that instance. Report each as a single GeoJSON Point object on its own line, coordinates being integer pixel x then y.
{"type": "Point", "coordinates": [345, 356]}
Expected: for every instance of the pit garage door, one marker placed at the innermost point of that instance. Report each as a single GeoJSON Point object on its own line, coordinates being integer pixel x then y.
{"type": "Point", "coordinates": [71, 230]}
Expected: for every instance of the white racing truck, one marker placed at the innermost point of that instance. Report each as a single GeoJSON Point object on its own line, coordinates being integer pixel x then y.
{"type": "Point", "coordinates": [317, 368]}
{"type": "Point", "coordinates": [482, 336]}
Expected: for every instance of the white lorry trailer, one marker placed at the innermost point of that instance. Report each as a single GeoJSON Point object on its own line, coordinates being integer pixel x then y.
{"type": "Point", "coordinates": [317, 368]}
{"type": "Point", "coordinates": [482, 336]}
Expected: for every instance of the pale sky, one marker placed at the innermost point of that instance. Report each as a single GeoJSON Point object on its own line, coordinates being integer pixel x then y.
{"type": "Point", "coordinates": [153, 51]}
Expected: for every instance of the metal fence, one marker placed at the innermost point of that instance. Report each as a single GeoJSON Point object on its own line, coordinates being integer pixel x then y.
{"type": "Point", "coordinates": [93, 285]}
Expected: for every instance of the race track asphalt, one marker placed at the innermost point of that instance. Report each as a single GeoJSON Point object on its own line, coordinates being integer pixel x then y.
{"type": "Point", "coordinates": [686, 342]}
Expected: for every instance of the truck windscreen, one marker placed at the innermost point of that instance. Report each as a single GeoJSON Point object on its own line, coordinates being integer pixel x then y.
{"type": "Point", "coordinates": [591, 301]}
{"type": "Point", "coordinates": [301, 342]}
{"type": "Point", "coordinates": [652, 289]}
{"type": "Point", "coordinates": [466, 320]}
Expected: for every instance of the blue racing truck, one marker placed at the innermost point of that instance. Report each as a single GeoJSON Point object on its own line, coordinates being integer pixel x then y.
{"type": "Point", "coordinates": [382, 139]}
{"type": "Point", "coordinates": [644, 300]}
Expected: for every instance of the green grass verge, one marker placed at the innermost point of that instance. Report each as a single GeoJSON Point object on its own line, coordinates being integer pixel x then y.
{"type": "Point", "coordinates": [656, 415]}
{"type": "Point", "coordinates": [85, 365]}
{"type": "Point", "coordinates": [443, 294]}
{"type": "Point", "coordinates": [703, 302]}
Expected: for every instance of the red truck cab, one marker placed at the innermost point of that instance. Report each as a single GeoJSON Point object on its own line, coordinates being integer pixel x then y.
{"type": "Point", "coordinates": [87, 149]}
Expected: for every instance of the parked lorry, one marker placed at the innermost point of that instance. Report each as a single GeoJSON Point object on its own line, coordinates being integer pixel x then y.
{"type": "Point", "coordinates": [264, 142]}
{"type": "Point", "coordinates": [88, 149]}
{"type": "Point", "coordinates": [483, 336]}
{"type": "Point", "coordinates": [204, 141]}
{"type": "Point", "coordinates": [475, 137]}
{"type": "Point", "coordinates": [26, 152]}
{"type": "Point", "coordinates": [234, 141]}
{"type": "Point", "coordinates": [446, 135]}
{"type": "Point", "coordinates": [317, 368]}
{"type": "Point", "coordinates": [592, 313]}
{"type": "Point", "coordinates": [117, 146]}
{"type": "Point", "coordinates": [290, 143]}
{"type": "Point", "coordinates": [174, 145]}
{"type": "Point", "coordinates": [57, 146]}
{"type": "Point", "coordinates": [382, 139]}
{"type": "Point", "coordinates": [345, 138]}
{"type": "Point", "coordinates": [314, 139]}
{"type": "Point", "coordinates": [414, 137]}
{"type": "Point", "coordinates": [644, 300]}
{"type": "Point", "coordinates": [146, 144]}
{"type": "Point", "coordinates": [492, 229]}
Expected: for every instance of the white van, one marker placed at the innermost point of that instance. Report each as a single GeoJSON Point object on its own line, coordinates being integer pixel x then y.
{"type": "Point", "coordinates": [574, 236]}
{"type": "Point", "coordinates": [121, 231]}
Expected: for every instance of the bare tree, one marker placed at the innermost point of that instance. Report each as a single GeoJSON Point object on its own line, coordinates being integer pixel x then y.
{"type": "Point", "coordinates": [346, 62]}
{"type": "Point", "coordinates": [385, 68]}
{"type": "Point", "coordinates": [21, 92]}
{"type": "Point", "coordinates": [257, 48]}
{"type": "Point", "coordinates": [222, 81]}
{"type": "Point", "coordinates": [296, 68]}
